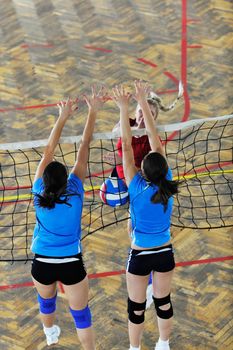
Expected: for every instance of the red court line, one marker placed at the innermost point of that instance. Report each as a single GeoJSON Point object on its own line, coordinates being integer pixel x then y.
{"type": "Point", "coordinates": [204, 261]}
{"type": "Point", "coordinates": [168, 74]}
{"type": "Point", "coordinates": [28, 107]}
{"type": "Point", "coordinates": [198, 170]}
{"type": "Point", "coordinates": [60, 285]}
{"type": "Point", "coordinates": [12, 188]}
{"type": "Point", "coordinates": [143, 60]}
{"type": "Point", "coordinates": [16, 285]}
{"type": "Point", "coordinates": [194, 46]}
{"type": "Point", "coordinates": [97, 48]}
{"type": "Point", "coordinates": [210, 167]}
{"type": "Point", "coordinates": [183, 66]}
{"type": "Point", "coordinates": [21, 108]}
{"type": "Point", "coordinates": [122, 272]}
{"type": "Point", "coordinates": [149, 63]}
{"type": "Point", "coordinates": [171, 76]}
{"type": "Point", "coordinates": [47, 45]}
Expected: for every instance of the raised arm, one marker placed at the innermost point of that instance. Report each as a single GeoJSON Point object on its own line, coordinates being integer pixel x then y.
{"type": "Point", "coordinates": [121, 98]}
{"type": "Point", "coordinates": [66, 109]}
{"type": "Point", "coordinates": [141, 92]}
{"type": "Point", "coordinates": [94, 102]}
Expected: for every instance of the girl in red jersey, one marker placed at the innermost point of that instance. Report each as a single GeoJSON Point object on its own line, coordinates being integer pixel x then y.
{"type": "Point", "coordinates": [140, 144]}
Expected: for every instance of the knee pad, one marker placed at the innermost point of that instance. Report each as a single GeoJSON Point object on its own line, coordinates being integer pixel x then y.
{"type": "Point", "coordinates": [165, 314]}
{"type": "Point", "coordinates": [47, 306]}
{"type": "Point", "coordinates": [82, 318]}
{"type": "Point", "coordinates": [132, 307]}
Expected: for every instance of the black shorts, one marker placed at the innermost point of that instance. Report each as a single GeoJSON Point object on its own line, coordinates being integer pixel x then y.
{"type": "Point", "coordinates": [142, 262]}
{"type": "Point", "coordinates": [67, 273]}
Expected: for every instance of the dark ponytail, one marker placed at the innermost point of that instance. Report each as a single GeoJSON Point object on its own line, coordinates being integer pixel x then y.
{"type": "Point", "coordinates": [55, 181]}
{"type": "Point", "coordinates": [49, 199]}
{"type": "Point", "coordinates": [155, 169]}
{"type": "Point", "coordinates": [167, 188]}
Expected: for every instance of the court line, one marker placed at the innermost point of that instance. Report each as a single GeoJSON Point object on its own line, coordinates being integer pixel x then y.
{"type": "Point", "coordinates": [186, 114]}
{"type": "Point", "coordinates": [198, 170]}
{"type": "Point", "coordinates": [184, 54]}
{"type": "Point", "coordinates": [37, 45]}
{"type": "Point", "coordinates": [122, 272]}
{"type": "Point", "coordinates": [149, 63]}
{"type": "Point", "coordinates": [28, 196]}
{"type": "Point", "coordinates": [105, 50]}
{"type": "Point", "coordinates": [162, 92]}
{"type": "Point", "coordinates": [194, 46]}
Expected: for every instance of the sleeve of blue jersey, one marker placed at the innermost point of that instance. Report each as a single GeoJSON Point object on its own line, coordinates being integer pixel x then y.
{"type": "Point", "coordinates": [136, 185]}
{"type": "Point", "coordinates": [37, 186]}
{"type": "Point", "coordinates": [169, 174]}
{"type": "Point", "coordinates": [76, 183]}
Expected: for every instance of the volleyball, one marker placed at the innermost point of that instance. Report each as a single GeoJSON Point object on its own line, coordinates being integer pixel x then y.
{"type": "Point", "coordinates": [114, 192]}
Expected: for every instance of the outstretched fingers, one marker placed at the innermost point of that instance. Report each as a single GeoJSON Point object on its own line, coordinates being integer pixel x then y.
{"type": "Point", "coordinates": [120, 96]}
{"type": "Point", "coordinates": [142, 89]}
{"type": "Point", "coordinates": [67, 107]}
{"type": "Point", "coordinates": [140, 86]}
{"type": "Point", "coordinates": [97, 98]}
{"type": "Point", "coordinates": [119, 91]}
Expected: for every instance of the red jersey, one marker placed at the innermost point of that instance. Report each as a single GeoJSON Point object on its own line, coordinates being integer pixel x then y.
{"type": "Point", "coordinates": [141, 147]}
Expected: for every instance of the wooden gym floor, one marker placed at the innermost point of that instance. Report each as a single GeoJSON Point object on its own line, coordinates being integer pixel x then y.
{"type": "Point", "coordinates": [51, 49]}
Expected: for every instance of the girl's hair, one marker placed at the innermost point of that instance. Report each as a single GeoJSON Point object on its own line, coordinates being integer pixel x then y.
{"type": "Point", "coordinates": [155, 100]}
{"type": "Point", "coordinates": [55, 181]}
{"type": "Point", "coordinates": [155, 169]}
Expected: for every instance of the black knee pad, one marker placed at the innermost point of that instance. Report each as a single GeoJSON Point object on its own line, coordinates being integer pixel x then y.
{"type": "Point", "coordinates": [133, 306]}
{"type": "Point", "coordinates": [165, 314]}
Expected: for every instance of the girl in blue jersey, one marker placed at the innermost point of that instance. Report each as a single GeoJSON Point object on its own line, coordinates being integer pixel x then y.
{"type": "Point", "coordinates": [151, 199]}
{"type": "Point", "coordinates": [56, 243]}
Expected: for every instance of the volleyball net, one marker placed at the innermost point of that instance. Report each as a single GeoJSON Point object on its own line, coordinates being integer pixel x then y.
{"type": "Point", "coordinates": [199, 152]}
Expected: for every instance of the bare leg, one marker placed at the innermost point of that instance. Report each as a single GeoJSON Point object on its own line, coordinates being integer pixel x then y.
{"type": "Point", "coordinates": [77, 295]}
{"type": "Point", "coordinates": [136, 286]}
{"type": "Point", "coordinates": [46, 292]}
{"type": "Point", "coordinates": [162, 287]}
{"type": "Point", "coordinates": [149, 290]}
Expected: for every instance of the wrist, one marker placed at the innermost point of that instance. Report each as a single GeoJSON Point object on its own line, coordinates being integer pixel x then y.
{"type": "Point", "coordinates": [64, 116]}
{"type": "Point", "coordinates": [93, 110]}
{"type": "Point", "coordinates": [142, 100]}
{"type": "Point", "coordinates": [124, 107]}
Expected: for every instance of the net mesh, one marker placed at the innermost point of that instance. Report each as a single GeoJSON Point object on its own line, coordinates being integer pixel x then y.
{"type": "Point", "coordinates": [199, 154]}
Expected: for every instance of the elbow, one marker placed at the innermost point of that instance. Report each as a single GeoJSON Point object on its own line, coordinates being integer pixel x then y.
{"type": "Point", "coordinates": [49, 150]}
{"type": "Point", "coordinates": [86, 142]}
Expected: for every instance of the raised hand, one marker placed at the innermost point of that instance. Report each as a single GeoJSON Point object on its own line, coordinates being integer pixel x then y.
{"type": "Point", "coordinates": [120, 96]}
{"type": "Point", "coordinates": [67, 108]}
{"type": "Point", "coordinates": [96, 100]}
{"type": "Point", "coordinates": [141, 90]}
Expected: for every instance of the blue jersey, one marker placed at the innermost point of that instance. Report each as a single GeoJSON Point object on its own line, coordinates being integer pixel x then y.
{"type": "Point", "coordinates": [58, 231]}
{"type": "Point", "coordinates": [150, 224]}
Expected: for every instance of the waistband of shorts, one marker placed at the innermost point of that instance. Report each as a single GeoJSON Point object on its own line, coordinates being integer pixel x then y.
{"type": "Point", "coordinates": [151, 250]}
{"type": "Point", "coordinates": [58, 257]}
{"type": "Point", "coordinates": [57, 260]}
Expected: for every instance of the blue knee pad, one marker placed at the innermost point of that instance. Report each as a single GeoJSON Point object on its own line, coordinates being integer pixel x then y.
{"type": "Point", "coordinates": [47, 306]}
{"type": "Point", "coordinates": [82, 318]}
